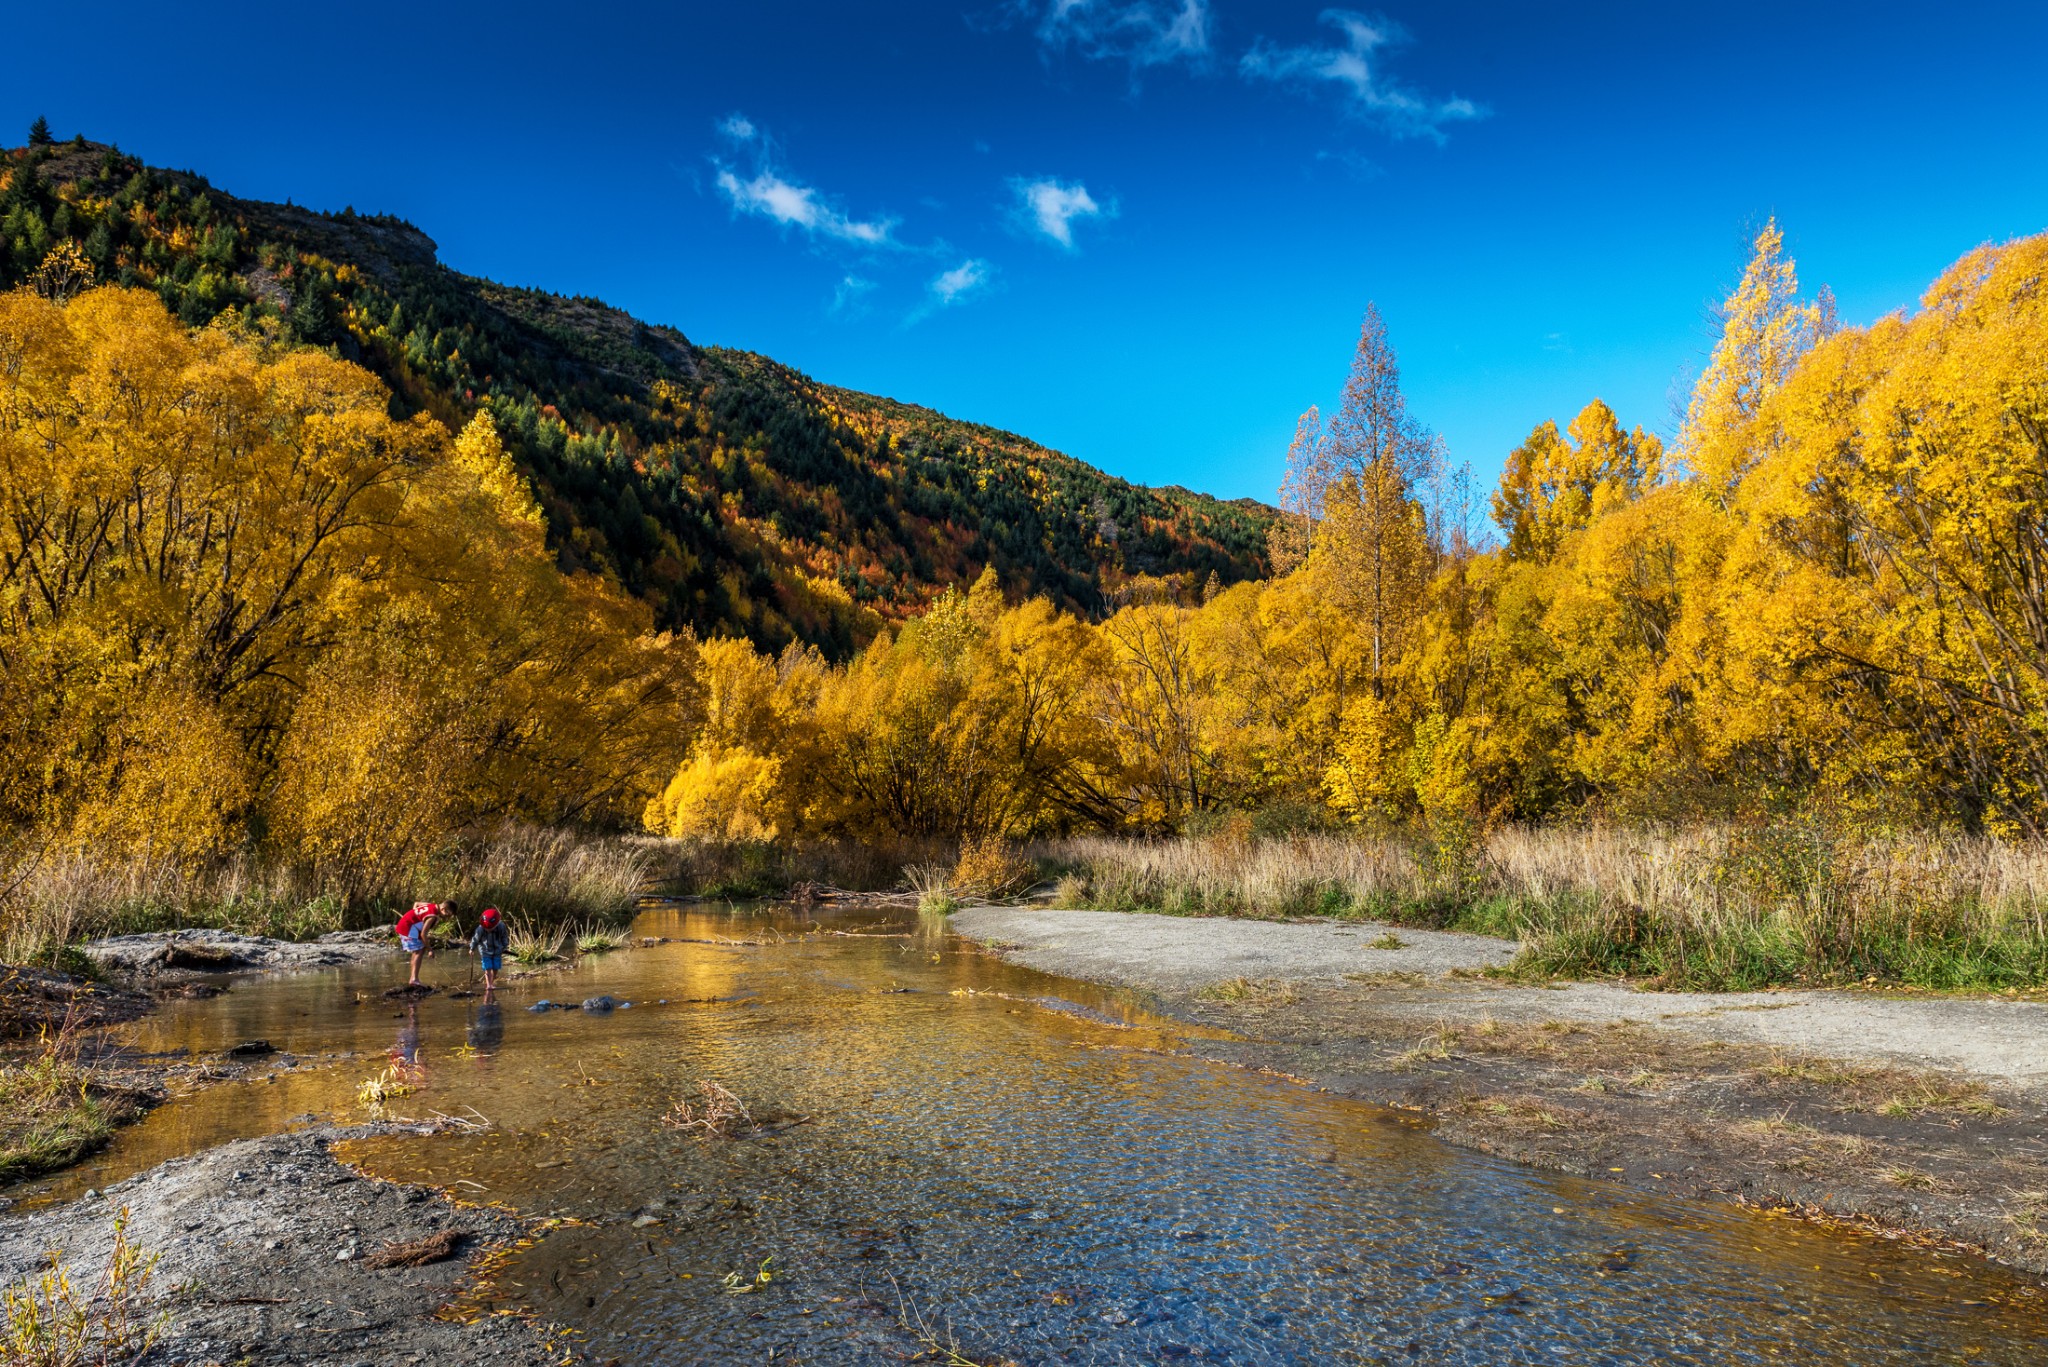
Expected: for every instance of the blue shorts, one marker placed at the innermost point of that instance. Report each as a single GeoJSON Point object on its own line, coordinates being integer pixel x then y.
{"type": "Point", "coordinates": [413, 943]}
{"type": "Point", "coordinates": [490, 963]}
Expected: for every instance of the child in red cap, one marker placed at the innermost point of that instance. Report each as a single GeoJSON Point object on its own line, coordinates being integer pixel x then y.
{"type": "Point", "coordinates": [489, 940]}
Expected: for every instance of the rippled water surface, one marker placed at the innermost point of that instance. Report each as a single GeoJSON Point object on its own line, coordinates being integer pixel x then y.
{"type": "Point", "coordinates": [1025, 1165]}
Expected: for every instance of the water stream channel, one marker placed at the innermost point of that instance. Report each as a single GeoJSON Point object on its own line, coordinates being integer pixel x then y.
{"type": "Point", "coordinates": [1026, 1159]}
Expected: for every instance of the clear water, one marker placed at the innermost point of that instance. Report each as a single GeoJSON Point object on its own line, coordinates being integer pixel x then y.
{"type": "Point", "coordinates": [1027, 1166]}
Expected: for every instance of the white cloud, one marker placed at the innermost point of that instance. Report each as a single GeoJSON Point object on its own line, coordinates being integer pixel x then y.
{"type": "Point", "coordinates": [766, 191]}
{"type": "Point", "coordinates": [950, 287]}
{"type": "Point", "coordinates": [1051, 207]}
{"type": "Point", "coordinates": [850, 299]}
{"type": "Point", "coordinates": [1144, 33]}
{"type": "Point", "coordinates": [1356, 70]}
{"type": "Point", "coordinates": [771, 196]}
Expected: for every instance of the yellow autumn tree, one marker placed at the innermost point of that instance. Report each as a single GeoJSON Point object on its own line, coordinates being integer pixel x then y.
{"type": "Point", "coordinates": [241, 603]}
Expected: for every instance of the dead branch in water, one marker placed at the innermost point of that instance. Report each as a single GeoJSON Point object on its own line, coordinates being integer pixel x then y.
{"type": "Point", "coordinates": [721, 1114]}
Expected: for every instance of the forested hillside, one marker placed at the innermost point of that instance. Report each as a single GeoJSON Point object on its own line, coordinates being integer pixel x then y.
{"type": "Point", "coordinates": [727, 491]}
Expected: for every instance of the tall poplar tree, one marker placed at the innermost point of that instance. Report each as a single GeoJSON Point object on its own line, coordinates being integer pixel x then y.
{"type": "Point", "coordinates": [1373, 530]}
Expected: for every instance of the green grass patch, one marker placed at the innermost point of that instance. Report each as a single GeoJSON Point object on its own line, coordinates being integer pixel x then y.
{"type": "Point", "coordinates": [51, 1115]}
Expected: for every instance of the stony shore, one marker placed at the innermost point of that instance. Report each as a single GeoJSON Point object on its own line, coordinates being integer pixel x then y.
{"type": "Point", "coordinates": [268, 1251]}
{"type": "Point", "coordinates": [1922, 1117]}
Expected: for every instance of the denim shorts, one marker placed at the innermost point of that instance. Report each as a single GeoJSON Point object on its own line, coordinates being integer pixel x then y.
{"type": "Point", "coordinates": [490, 963]}
{"type": "Point", "coordinates": [413, 943]}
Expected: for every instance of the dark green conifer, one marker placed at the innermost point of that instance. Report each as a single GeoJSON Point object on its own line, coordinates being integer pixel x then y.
{"type": "Point", "coordinates": [39, 134]}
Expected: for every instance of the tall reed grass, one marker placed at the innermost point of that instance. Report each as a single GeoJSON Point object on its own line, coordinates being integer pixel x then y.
{"type": "Point", "coordinates": [1713, 907]}
{"type": "Point", "coordinates": [542, 877]}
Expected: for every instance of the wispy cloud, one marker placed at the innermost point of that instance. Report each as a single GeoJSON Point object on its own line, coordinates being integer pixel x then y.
{"type": "Point", "coordinates": [968, 278]}
{"type": "Point", "coordinates": [768, 193]}
{"type": "Point", "coordinates": [1050, 207]}
{"type": "Point", "coordinates": [786, 202]}
{"type": "Point", "coordinates": [850, 299]}
{"type": "Point", "coordinates": [1356, 71]}
{"type": "Point", "coordinates": [1144, 33]}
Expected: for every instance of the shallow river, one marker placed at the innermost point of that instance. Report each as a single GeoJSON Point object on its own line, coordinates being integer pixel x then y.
{"type": "Point", "coordinates": [1025, 1165]}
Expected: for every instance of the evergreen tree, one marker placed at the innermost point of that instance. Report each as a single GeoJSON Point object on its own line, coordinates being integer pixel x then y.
{"type": "Point", "coordinates": [39, 134]}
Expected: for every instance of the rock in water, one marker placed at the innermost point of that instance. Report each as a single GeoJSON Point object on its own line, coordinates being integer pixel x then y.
{"type": "Point", "coordinates": [598, 1004]}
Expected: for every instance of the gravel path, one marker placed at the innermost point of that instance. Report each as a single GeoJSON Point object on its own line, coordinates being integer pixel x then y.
{"type": "Point", "coordinates": [2000, 1041]}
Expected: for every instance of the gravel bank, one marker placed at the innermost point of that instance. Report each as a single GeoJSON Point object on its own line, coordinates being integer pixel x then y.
{"type": "Point", "coordinates": [1915, 1117]}
{"type": "Point", "coordinates": [2005, 1042]}
{"type": "Point", "coordinates": [264, 1249]}
{"type": "Point", "coordinates": [1184, 953]}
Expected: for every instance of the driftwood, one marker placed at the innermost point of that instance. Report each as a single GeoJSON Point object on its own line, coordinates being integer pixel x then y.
{"type": "Point", "coordinates": [434, 1248]}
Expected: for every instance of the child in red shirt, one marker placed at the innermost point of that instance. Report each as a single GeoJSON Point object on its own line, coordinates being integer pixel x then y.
{"type": "Point", "coordinates": [412, 934]}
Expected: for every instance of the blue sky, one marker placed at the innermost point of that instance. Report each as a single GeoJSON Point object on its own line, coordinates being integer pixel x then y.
{"type": "Point", "coordinates": [1141, 232]}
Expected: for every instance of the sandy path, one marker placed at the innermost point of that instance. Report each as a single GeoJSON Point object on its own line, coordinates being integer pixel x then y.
{"type": "Point", "coordinates": [2000, 1041]}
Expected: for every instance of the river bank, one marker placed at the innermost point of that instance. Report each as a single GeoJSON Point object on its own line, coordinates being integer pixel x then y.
{"type": "Point", "coordinates": [66, 1085]}
{"type": "Point", "coordinates": [1919, 1116]}
{"type": "Point", "coordinates": [274, 1251]}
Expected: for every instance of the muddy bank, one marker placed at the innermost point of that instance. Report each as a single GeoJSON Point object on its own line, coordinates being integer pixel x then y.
{"type": "Point", "coordinates": [39, 1001]}
{"type": "Point", "coordinates": [1840, 1106]}
{"type": "Point", "coordinates": [269, 1252]}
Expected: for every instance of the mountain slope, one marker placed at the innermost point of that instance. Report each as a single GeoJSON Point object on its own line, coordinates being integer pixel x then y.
{"type": "Point", "coordinates": [731, 492]}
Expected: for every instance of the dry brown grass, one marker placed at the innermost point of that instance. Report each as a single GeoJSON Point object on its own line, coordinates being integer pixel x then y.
{"type": "Point", "coordinates": [1514, 1112]}
{"type": "Point", "coordinates": [1298, 875]}
{"type": "Point", "coordinates": [1900, 1093]}
{"type": "Point", "coordinates": [541, 876]}
{"type": "Point", "coordinates": [1707, 906]}
{"type": "Point", "coordinates": [1433, 1047]}
{"type": "Point", "coordinates": [2029, 1216]}
{"type": "Point", "coordinates": [1257, 991]}
{"type": "Point", "coordinates": [718, 1115]}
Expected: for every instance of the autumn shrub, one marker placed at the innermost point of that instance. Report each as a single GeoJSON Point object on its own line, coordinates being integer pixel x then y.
{"type": "Point", "coordinates": [990, 866]}
{"type": "Point", "coordinates": [51, 1320]}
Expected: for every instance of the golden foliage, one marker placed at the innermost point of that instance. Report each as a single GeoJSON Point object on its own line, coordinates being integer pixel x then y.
{"type": "Point", "coordinates": [239, 601]}
{"type": "Point", "coordinates": [1836, 590]}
